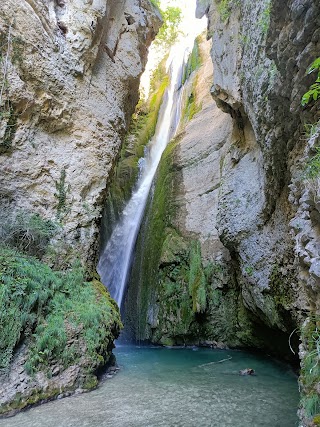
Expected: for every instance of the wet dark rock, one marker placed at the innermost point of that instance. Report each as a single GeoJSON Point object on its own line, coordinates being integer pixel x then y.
{"type": "Point", "coordinates": [247, 371]}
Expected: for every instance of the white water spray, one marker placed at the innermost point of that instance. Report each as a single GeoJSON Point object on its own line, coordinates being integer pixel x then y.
{"type": "Point", "coordinates": [115, 260]}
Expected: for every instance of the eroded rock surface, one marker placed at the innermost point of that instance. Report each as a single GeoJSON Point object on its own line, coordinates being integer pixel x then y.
{"type": "Point", "coordinates": [73, 72]}
{"type": "Point", "coordinates": [237, 183]}
{"type": "Point", "coordinates": [260, 54]}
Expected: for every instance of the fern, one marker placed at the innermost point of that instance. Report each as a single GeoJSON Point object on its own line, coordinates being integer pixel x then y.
{"type": "Point", "coordinates": [313, 93]}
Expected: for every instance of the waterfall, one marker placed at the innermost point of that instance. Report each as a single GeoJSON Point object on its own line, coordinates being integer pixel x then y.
{"type": "Point", "coordinates": [115, 260]}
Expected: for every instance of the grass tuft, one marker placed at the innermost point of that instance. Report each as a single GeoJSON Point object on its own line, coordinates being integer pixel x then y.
{"type": "Point", "coordinates": [60, 314]}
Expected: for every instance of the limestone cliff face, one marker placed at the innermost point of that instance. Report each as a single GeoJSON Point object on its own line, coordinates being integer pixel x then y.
{"type": "Point", "coordinates": [268, 205]}
{"type": "Point", "coordinates": [182, 288]}
{"type": "Point", "coordinates": [70, 82]}
{"type": "Point", "coordinates": [260, 54]}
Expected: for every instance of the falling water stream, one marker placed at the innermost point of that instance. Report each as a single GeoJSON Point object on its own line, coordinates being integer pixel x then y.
{"type": "Point", "coordinates": [115, 260]}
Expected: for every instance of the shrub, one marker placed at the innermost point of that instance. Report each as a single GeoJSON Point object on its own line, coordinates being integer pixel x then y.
{"type": "Point", "coordinates": [48, 308]}
{"type": "Point", "coordinates": [310, 366]}
{"type": "Point", "coordinates": [169, 31]}
{"type": "Point", "coordinates": [28, 232]}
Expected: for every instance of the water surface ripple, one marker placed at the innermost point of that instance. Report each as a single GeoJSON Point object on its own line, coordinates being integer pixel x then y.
{"type": "Point", "coordinates": [181, 388]}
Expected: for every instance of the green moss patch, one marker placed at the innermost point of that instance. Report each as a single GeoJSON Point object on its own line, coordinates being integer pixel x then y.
{"type": "Point", "coordinates": [225, 8]}
{"type": "Point", "coordinates": [173, 297]}
{"type": "Point", "coordinates": [191, 104]}
{"type": "Point", "coordinates": [194, 61]}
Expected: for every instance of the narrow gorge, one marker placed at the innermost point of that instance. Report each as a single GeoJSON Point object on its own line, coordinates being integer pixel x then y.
{"type": "Point", "coordinates": [186, 215]}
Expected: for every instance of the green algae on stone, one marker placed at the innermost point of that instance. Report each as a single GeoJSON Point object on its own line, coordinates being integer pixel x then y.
{"type": "Point", "coordinates": [194, 60]}
{"type": "Point", "coordinates": [179, 299]}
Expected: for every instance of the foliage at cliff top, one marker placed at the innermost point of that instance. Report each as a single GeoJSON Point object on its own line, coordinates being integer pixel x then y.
{"type": "Point", "coordinates": [61, 316]}
{"type": "Point", "coordinates": [313, 93]}
{"type": "Point", "coordinates": [169, 30]}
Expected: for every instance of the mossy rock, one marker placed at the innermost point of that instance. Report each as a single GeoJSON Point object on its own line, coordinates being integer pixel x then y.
{"type": "Point", "coordinates": [316, 420]}
{"type": "Point", "coordinates": [141, 130]}
{"type": "Point", "coordinates": [167, 341]}
{"type": "Point", "coordinates": [90, 383]}
{"type": "Point", "coordinates": [280, 287]}
{"type": "Point", "coordinates": [174, 246]}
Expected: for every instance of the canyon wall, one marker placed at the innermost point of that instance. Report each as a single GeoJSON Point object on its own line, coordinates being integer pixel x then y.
{"type": "Point", "coordinates": [240, 186]}
{"type": "Point", "coordinates": [268, 205]}
{"type": "Point", "coordinates": [260, 54]}
{"type": "Point", "coordinates": [71, 73]}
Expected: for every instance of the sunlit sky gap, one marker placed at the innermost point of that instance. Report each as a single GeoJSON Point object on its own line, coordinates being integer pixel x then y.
{"type": "Point", "coordinates": [190, 26]}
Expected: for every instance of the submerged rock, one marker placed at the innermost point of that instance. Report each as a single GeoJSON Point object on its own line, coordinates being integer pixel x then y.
{"type": "Point", "coordinates": [247, 371]}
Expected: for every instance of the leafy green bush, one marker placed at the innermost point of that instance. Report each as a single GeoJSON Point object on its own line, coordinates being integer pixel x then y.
{"type": "Point", "coordinates": [169, 30]}
{"type": "Point", "coordinates": [26, 231]}
{"type": "Point", "coordinates": [48, 308]}
{"type": "Point", "coordinates": [313, 93]}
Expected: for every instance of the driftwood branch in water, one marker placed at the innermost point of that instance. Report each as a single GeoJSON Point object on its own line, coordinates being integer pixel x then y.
{"type": "Point", "coordinates": [213, 363]}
